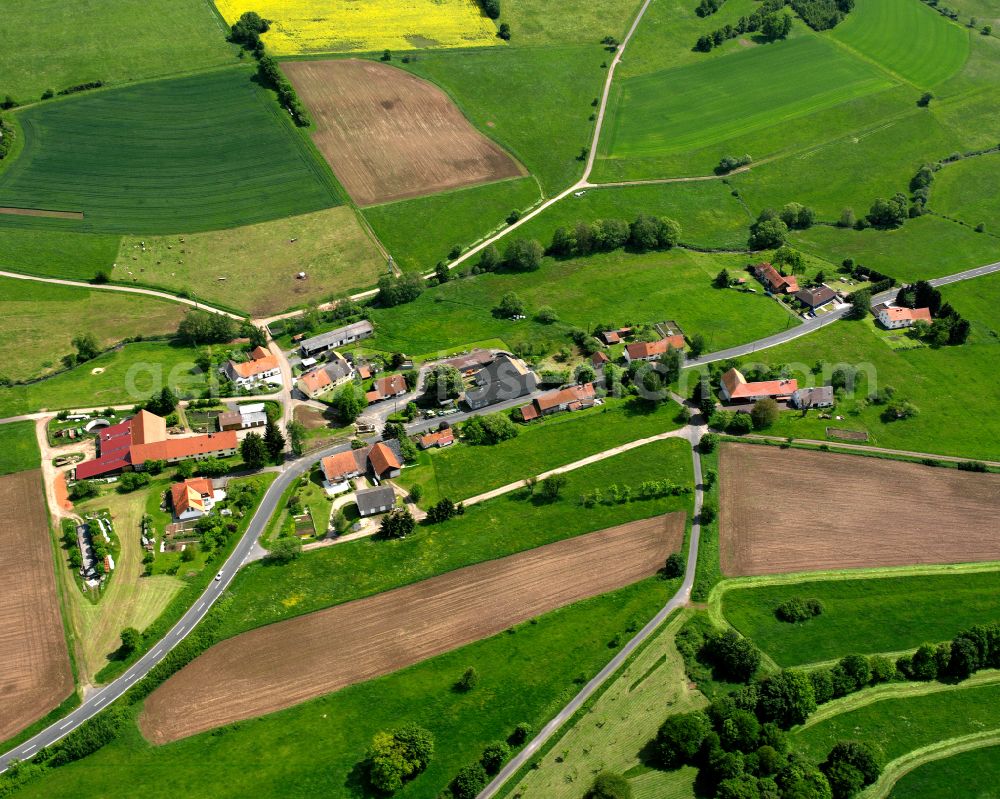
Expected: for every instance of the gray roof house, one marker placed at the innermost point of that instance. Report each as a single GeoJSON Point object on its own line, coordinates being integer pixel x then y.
{"type": "Point", "coordinates": [336, 338]}
{"type": "Point", "coordinates": [506, 378]}
{"type": "Point", "coordinates": [375, 500]}
{"type": "Point", "coordinates": [818, 397]}
{"type": "Point", "coordinates": [816, 297]}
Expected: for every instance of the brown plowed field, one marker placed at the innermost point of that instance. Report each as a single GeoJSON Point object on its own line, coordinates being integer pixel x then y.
{"type": "Point", "coordinates": [789, 510]}
{"type": "Point", "coordinates": [35, 673]}
{"type": "Point", "coordinates": [388, 135]}
{"type": "Point", "coordinates": [283, 664]}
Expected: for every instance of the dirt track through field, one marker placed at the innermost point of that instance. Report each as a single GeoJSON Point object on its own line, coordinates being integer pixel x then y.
{"type": "Point", "coordinates": [790, 510]}
{"type": "Point", "coordinates": [35, 673]}
{"type": "Point", "coordinates": [41, 212]}
{"type": "Point", "coordinates": [388, 135]}
{"type": "Point", "coordinates": [280, 665]}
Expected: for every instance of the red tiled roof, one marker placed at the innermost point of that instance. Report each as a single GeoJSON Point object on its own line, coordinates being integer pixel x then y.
{"type": "Point", "coordinates": [340, 466]}
{"type": "Point", "coordinates": [364, 372]}
{"type": "Point", "coordinates": [257, 366]}
{"type": "Point", "coordinates": [259, 352]}
{"type": "Point", "coordinates": [388, 386]}
{"type": "Point", "coordinates": [148, 428]}
{"type": "Point", "coordinates": [189, 494]}
{"type": "Point", "coordinates": [738, 388]}
{"type": "Point", "coordinates": [383, 459]}
{"type": "Point", "coordinates": [315, 380]}
{"type": "Point", "coordinates": [565, 396]}
{"type": "Point", "coordinates": [912, 314]}
{"type": "Point", "coordinates": [650, 349]}
{"type": "Point", "coordinates": [441, 438]}
{"type": "Point", "coordinates": [178, 448]}
{"type": "Point", "coordinates": [599, 358]}
{"type": "Point", "coordinates": [775, 280]}
{"type": "Point", "coordinates": [611, 337]}
{"type": "Point", "coordinates": [529, 412]}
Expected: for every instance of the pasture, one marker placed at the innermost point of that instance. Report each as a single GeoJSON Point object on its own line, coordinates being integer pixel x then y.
{"type": "Point", "coordinates": [121, 42]}
{"type": "Point", "coordinates": [615, 727]}
{"type": "Point", "coordinates": [388, 135]}
{"type": "Point", "coordinates": [255, 268]}
{"type": "Point", "coordinates": [540, 22]}
{"type": "Point", "coordinates": [909, 39]}
{"type": "Point", "coordinates": [56, 253]}
{"type": "Point", "coordinates": [760, 536]}
{"type": "Point", "coordinates": [494, 529]}
{"type": "Point", "coordinates": [978, 772]}
{"type": "Point", "coordinates": [611, 288]}
{"type": "Point", "coordinates": [18, 447]}
{"type": "Point", "coordinates": [34, 661]}
{"type": "Point", "coordinates": [195, 153]}
{"type": "Point", "coordinates": [309, 748]}
{"type": "Point", "coordinates": [299, 27]}
{"type": "Point", "coordinates": [284, 664]}
{"type": "Point", "coordinates": [50, 316]}
{"type": "Point", "coordinates": [699, 104]}
{"type": "Point", "coordinates": [969, 190]}
{"type": "Point", "coordinates": [928, 607]}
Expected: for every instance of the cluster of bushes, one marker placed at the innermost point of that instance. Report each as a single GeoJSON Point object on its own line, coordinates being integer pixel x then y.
{"type": "Point", "coordinates": [521, 255]}
{"type": "Point", "coordinates": [444, 510]}
{"type": "Point", "coordinates": [79, 87]}
{"type": "Point", "coordinates": [771, 227]}
{"type": "Point", "coordinates": [968, 652]}
{"type": "Point", "coordinates": [708, 7]}
{"type": "Point", "coordinates": [6, 138]}
{"type": "Point", "coordinates": [273, 77]}
{"type": "Point", "coordinates": [489, 429]}
{"type": "Point", "coordinates": [393, 291]}
{"type": "Point", "coordinates": [471, 779]}
{"type": "Point", "coordinates": [132, 481]}
{"type": "Point", "coordinates": [822, 15]}
{"type": "Point", "coordinates": [948, 327]}
{"type": "Point", "coordinates": [769, 20]}
{"type": "Point", "coordinates": [203, 327]}
{"type": "Point", "coordinates": [619, 495]}
{"type": "Point", "coordinates": [644, 234]}
{"type": "Point", "coordinates": [397, 756]}
{"type": "Point", "coordinates": [247, 30]}
{"type": "Point", "coordinates": [491, 8]}
{"type": "Point", "coordinates": [730, 162]}
{"type": "Point", "coordinates": [796, 609]}
{"type": "Point", "coordinates": [397, 523]}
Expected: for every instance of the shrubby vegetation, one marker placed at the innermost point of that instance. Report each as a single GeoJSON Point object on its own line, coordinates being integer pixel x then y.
{"type": "Point", "coordinates": [272, 76]}
{"type": "Point", "coordinates": [773, 23]}
{"type": "Point", "coordinates": [394, 291]}
{"type": "Point", "coordinates": [644, 234]}
{"type": "Point", "coordinates": [615, 494]}
{"type": "Point", "coordinates": [730, 162]}
{"type": "Point", "coordinates": [397, 756]}
{"type": "Point", "coordinates": [202, 327]}
{"type": "Point", "coordinates": [948, 326]}
{"type": "Point", "coordinates": [708, 7]}
{"type": "Point", "coordinates": [488, 429]}
{"type": "Point", "coordinates": [797, 609]}
{"type": "Point", "coordinates": [6, 138]}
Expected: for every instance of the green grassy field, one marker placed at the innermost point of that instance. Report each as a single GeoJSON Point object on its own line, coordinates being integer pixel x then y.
{"type": "Point", "coordinates": [254, 268]}
{"type": "Point", "coordinates": [121, 41]}
{"type": "Point", "coordinates": [493, 529]}
{"type": "Point", "coordinates": [19, 447]}
{"type": "Point", "coordinates": [179, 155]}
{"type": "Point", "coordinates": [900, 725]}
{"type": "Point", "coordinates": [611, 288]}
{"type": "Point", "coordinates": [978, 772]}
{"type": "Point", "coordinates": [130, 375]}
{"type": "Point", "coordinates": [462, 471]}
{"type": "Point", "coordinates": [708, 213]}
{"type": "Point", "coordinates": [887, 31]}
{"type": "Point", "coordinates": [969, 190]}
{"type": "Point", "coordinates": [317, 748]}
{"type": "Point", "coordinates": [56, 253]}
{"type": "Point", "coordinates": [419, 233]}
{"type": "Point", "coordinates": [676, 109]}
{"type": "Point", "coordinates": [613, 729]}
{"type": "Point", "coordinates": [539, 22]}
{"type": "Point", "coordinates": [925, 608]}
{"type": "Point", "coordinates": [51, 316]}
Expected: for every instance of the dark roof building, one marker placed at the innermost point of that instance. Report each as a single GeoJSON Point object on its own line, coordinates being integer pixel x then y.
{"type": "Point", "coordinates": [336, 338]}
{"type": "Point", "coordinates": [817, 397]}
{"type": "Point", "coordinates": [816, 297]}
{"type": "Point", "coordinates": [375, 500]}
{"type": "Point", "coordinates": [506, 378]}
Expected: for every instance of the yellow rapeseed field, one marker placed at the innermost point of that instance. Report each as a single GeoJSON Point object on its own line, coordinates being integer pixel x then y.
{"type": "Point", "coordinates": [340, 26]}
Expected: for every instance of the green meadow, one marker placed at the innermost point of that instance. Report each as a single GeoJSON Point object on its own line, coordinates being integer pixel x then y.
{"type": "Point", "coordinates": [969, 190]}
{"type": "Point", "coordinates": [18, 447]}
{"type": "Point", "coordinates": [923, 608]}
{"type": "Point", "coordinates": [179, 155]}
{"type": "Point", "coordinates": [49, 44]}
{"type": "Point", "coordinates": [540, 22]}
{"type": "Point", "coordinates": [978, 772]}
{"type": "Point", "coordinates": [886, 31]}
{"type": "Point", "coordinates": [56, 253]}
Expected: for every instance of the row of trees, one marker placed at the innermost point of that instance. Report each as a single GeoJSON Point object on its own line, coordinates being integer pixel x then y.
{"type": "Point", "coordinates": [615, 494]}
{"type": "Point", "coordinates": [6, 138]}
{"type": "Point", "coordinates": [394, 291]}
{"type": "Point", "coordinates": [822, 15]}
{"type": "Point", "coordinates": [644, 234]}
{"type": "Point", "coordinates": [708, 7]}
{"type": "Point", "coordinates": [272, 76]}
{"type": "Point", "coordinates": [769, 20]}
{"type": "Point", "coordinates": [771, 228]}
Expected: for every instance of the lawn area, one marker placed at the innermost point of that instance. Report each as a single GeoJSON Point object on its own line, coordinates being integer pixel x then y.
{"type": "Point", "coordinates": [923, 248]}
{"type": "Point", "coordinates": [908, 38]}
{"type": "Point", "coordinates": [708, 213]}
{"type": "Point", "coordinates": [254, 268]}
{"type": "Point", "coordinates": [51, 316]}
{"type": "Point", "coordinates": [420, 232]}
{"type": "Point", "coordinates": [541, 22]}
{"type": "Point", "coordinates": [703, 103]}
{"type": "Point", "coordinates": [970, 190]}
{"type": "Point", "coordinates": [166, 156]}
{"type": "Point", "coordinates": [56, 253]}
{"type": "Point", "coordinates": [317, 748]}
{"type": "Point", "coordinates": [129, 375]}
{"type": "Point", "coordinates": [978, 772]}
{"type": "Point", "coordinates": [462, 471]}
{"type": "Point", "coordinates": [131, 599]}
{"type": "Point", "coordinates": [900, 725]}
{"type": "Point", "coordinates": [613, 288]}
{"type": "Point", "coordinates": [612, 731]}
{"type": "Point", "coordinates": [923, 608]}
{"type": "Point", "coordinates": [19, 447]}
{"type": "Point", "coordinates": [543, 123]}
{"type": "Point", "coordinates": [44, 46]}
{"type": "Point", "coordinates": [513, 523]}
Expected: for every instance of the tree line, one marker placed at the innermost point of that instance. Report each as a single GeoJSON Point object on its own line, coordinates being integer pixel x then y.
{"type": "Point", "coordinates": [772, 23]}
{"type": "Point", "coordinates": [644, 234]}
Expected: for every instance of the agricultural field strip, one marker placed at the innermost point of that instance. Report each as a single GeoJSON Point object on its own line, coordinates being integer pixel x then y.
{"type": "Point", "coordinates": [288, 662]}
{"type": "Point", "coordinates": [848, 448]}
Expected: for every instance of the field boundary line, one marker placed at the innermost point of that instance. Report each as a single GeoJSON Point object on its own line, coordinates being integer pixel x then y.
{"type": "Point", "coordinates": [901, 766]}
{"type": "Point", "coordinates": [847, 448]}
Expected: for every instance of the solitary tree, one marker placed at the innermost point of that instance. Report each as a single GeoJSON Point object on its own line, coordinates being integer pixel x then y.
{"type": "Point", "coordinates": [608, 785]}
{"type": "Point", "coordinates": [284, 550]}
{"type": "Point", "coordinates": [131, 639]}
{"type": "Point", "coordinates": [552, 486]}
{"type": "Point", "coordinates": [397, 523]}
{"type": "Point", "coordinates": [722, 279]}
{"type": "Point", "coordinates": [349, 402]}
{"type": "Point", "coordinates": [764, 413]}
{"type": "Point", "coordinates": [253, 451]}
{"type": "Point", "coordinates": [274, 440]}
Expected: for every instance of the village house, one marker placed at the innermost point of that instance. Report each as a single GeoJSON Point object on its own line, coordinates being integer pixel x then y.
{"type": "Point", "coordinates": [567, 399]}
{"type": "Point", "coordinates": [774, 281]}
{"type": "Point", "coordinates": [505, 378]}
{"type": "Point", "coordinates": [386, 388]}
{"type": "Point", "coordinates": [598, 360]}
{"type": "Point", "coordinates": [735, 388]}
{"type": "Point", "coordinates": [817, 297]}
{"type": "Point", "coordinates": [262, 366]}
{"type": "Point", "coordinates": [253, 414]}
{"type": "Point", "coordinates": [651, 350]}
{"type": "Point", "coordinates": [194, 498]}
{"type": "Point", "coordinates": [375, 500]}
{"type": "Point", "coordinates": [612, 337]}
{"type": "Point", "coordinates": [893, 318]}
{"type": "Point", "coordinates": [143, 437]}
{"type": "Point", "coordinates": [470, 362]}
{"type": "Point", "coordinates": [381, 461]}
{"type": "Point", "coordinates": [323, 379]}
{"type": "Point", "coordinates": [818, 397]}
{"type": "Point", "coordinates": [440, 439]}
{"type": "Point", "coordinates": [336, 338]}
